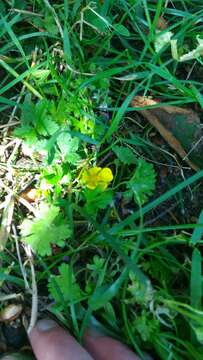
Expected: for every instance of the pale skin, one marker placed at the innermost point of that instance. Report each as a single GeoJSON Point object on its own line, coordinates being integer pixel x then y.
{"type": "Point", "coordinates": [50, 342]}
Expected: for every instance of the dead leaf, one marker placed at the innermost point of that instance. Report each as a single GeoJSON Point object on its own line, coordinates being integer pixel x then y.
{"type": "Point", "coordinates": [162, 24]}
{"type": "Point", "coordinates": [30, 195]}
{"type": "Point", "coordinates": [180, 127]}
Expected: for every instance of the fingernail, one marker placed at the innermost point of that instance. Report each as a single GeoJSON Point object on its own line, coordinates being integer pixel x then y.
{"type": "Point", "coordinates": [45, 325]}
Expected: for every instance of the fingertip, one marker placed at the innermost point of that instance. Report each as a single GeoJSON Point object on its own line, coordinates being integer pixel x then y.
{"type": "Point", "coordinates": [103, 347]}
{"type": "Point", "coordinates": [42, 332]}
{"type": "Point", "coordinates": [50, 342]}
{"type": "Point", "coordinates": [43, 326]}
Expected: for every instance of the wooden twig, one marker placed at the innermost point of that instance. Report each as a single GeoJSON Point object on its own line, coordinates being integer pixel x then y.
{"type": "Point", "coordinates": [9, 124]}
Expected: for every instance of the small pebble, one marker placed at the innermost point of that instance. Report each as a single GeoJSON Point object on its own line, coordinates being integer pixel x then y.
{"type": "Point", "coordinates": [10, 312]}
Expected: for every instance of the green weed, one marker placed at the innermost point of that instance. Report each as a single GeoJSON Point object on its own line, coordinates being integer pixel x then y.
{"type": "Point", "coordinates": [93, 228]}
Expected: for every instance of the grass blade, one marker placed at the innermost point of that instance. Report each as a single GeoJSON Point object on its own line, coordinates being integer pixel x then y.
{"type": "Point", "coordinates": [119, 115]}
{"type": "Point", "coordinates": [196, 280]}
{"type": "Point", "coordinates": [198, 232]}
{"type": "Point", "coordinates": [130, 219]}
{"type": "Point", "coordinates": [14, 39]}
{"type": "Point", "coordinates": [19, 78]}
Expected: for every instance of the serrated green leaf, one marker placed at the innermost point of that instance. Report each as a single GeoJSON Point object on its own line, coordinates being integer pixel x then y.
{"type": "Point", "coordinates": [97, 199]}
{"type": "Point", "coordinates": [27, 133]}
{"type": "Point", "coordinates": [64, 284]}
{"type": "Point", "coordinates": [142, 183]}
{"type": "Point", "coordinates": [68, 147]}
{"type": "Point", "coordinates": [46, 229]}
{"type": "Point", "coordinates": [63, 141]}
{"type": "Point", "coordinates": [124, 154]}
{"type": "Point", "coordinates": [73, 158]}
{"type": "Point", "coordinates": [35, 121]}
{"type": "Point", "coordinates": [47, 126]}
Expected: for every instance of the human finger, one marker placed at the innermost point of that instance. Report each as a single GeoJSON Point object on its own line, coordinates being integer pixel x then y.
{"type": "Point", "coordinates": [107, 348]}
{"type": "Point", "coordinates": [50, 342]}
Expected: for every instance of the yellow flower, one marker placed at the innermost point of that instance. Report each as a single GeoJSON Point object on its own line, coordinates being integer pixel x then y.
{"type": "Point", "coordinates": [97, 177]}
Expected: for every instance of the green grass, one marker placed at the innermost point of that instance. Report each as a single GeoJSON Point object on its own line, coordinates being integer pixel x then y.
{"type": "Point", "coordinates": [126, 259]}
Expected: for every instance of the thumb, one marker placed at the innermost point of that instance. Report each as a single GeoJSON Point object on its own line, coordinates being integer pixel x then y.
{"type": "Point", "coordinates": [50, 342]}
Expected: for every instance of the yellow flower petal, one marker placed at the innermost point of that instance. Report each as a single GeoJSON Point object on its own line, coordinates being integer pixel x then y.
{"type": "Point", "coordinates": [106, 175]}
{"type": "Point", "coordinates": [92, 183]}
{"type": "Point", "coordinates": [85, 177]}
{"type": "Point", "coordinates": [94, 171]}
{"type": "Point", "coordinates": [97, 177]}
